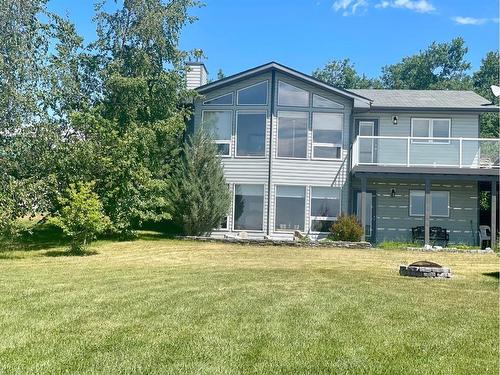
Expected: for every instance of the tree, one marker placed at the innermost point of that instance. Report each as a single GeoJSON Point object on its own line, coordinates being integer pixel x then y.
{"type": "Point", "coordinates": [220, 74]}
{"type": "Point", "coordinates": [440, 66]}
{"type": "Point", "coordinates": [487, 75]}
{"type": "Point", "coordinates": [81, 217]}
{"type": "Point", "coordinates": [342, 74]}
{"type": "Point", "coordinates": [199, 192]}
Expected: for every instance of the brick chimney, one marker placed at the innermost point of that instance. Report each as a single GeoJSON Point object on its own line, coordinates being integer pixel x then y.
{"type": "Point", "coordinates": [197, 75]}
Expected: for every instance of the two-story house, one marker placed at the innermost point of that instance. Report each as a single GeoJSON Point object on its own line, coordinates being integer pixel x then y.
{"type": "Point", "coordinates": [297, 152]}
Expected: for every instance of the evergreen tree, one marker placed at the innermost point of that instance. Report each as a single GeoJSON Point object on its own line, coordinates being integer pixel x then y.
{"type": "Point", "coordinates": [199, 192]}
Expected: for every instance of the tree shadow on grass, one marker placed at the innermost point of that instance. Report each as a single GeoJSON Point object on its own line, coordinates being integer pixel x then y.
{"type": "Point", "coordinates": [39, 237]}
{"type": "Point", "coordinates": [67, 253]}
{"type": "Point", "coordinates": [496, 274]}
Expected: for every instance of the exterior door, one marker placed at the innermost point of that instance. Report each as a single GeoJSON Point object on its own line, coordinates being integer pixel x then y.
{"type": "Point", "coordinates": [367, 147]}
{"type": "Point", "coordinates": [370, 219]}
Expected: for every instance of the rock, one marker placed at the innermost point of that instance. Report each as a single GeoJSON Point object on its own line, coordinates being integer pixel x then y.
{"type": "Point", "coordinates": [243, 235]}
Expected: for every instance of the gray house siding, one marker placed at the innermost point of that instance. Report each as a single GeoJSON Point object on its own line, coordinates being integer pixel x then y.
{"type": "Point", "coordinates": [393, 220]}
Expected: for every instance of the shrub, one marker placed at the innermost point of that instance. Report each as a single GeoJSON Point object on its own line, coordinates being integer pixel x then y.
{"type": "Point", "coordinates": [199, 192]}
{"type": "Point", "coordinates": [81, 217]}
{"type": "Point", "coordinates": [346, 228]}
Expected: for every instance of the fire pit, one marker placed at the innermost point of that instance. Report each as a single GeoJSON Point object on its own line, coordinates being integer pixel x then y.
{"type": "Point", "coordinates": [424, 268]}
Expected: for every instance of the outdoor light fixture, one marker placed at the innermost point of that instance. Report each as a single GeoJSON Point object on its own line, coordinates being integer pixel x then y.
{"type": "Point", "coordinates": [395, 120]}
{"type": "Point", "coordinates": [393, 193]}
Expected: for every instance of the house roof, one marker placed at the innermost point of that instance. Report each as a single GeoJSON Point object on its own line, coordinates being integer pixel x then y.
{"type": "Point", "coordinates": [426, 100]}
{"type": "Point", "coordinates": [285, 70]}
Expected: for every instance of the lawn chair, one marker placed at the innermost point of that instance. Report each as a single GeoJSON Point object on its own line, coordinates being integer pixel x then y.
{"type": "Point", "coordinates": [484, 235]}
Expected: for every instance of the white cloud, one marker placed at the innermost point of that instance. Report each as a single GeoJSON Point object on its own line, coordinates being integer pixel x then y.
{"type": "Point", "coordinates": [349, 7]}
{"type": "Point", "coordinates": [473, 21]}
{"type": "Point", "coordinates": [420, 6]}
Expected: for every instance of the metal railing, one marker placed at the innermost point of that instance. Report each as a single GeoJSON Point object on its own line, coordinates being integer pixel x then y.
{"type": "Point", "coordinates": [426, 152]}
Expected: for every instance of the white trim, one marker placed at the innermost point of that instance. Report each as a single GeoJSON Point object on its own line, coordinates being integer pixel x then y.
{"type": "Point", "coordinates": [276, 208]}
{"type": "Point", "coordinates": [431, 130]}
{"type": "Point", "coordinates": [323, 218]}
{"type": "Point", "coordinates": [309, 96]}
{"type": "Point", "coordinates": [256, 111]}
{"type": "Point", "coordinates": [423, 193]}
{"type": "Point", "coordinates": [263, 209]}
{"type": "Point", "coordinates": [332, 145]}
{"type": "Point", "coordinates": [221, 141]}
{"type": "Point", "coordinates": [266, 81]}
{"type": "Point", "coordinates": [220, 96]}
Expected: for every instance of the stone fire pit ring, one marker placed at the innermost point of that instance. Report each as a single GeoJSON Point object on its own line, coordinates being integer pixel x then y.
{"type": "Point", "coordinates": [425, 269]}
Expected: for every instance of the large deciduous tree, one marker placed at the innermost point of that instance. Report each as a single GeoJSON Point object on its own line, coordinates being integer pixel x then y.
{"type": "Point", "coordinates": [342, 74]}
{"type": "Point", "coordinates": [487, 75]}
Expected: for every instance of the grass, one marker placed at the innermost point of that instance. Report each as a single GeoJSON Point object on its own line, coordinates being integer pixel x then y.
{"type": "Point", "coordinates": [160, 306]}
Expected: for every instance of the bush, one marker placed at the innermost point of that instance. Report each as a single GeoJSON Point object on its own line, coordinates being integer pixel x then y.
{"type": "Point", "coordinates": [346, 228]}
{"type": "Point", "coordinates": [81, 217]}
{"type": "Point", "coordinates": [199, 192]}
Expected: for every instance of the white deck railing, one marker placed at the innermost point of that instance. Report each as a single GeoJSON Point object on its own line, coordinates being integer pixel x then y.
{"type": "Point", "coordinates": [426, 152]}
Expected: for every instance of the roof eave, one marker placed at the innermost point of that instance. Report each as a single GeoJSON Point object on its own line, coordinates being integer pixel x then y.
{"type": "Point", "coordinates": [429, 109]}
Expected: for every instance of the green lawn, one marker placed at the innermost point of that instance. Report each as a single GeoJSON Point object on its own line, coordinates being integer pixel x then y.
{"type": "Point", "coordinates": [173, 307]}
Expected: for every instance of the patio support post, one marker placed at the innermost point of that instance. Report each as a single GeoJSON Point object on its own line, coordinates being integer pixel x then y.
{"type": "Point", "coordinates": [363, 207]}
{"type": "Point", "coordinates": [493, 213]}
{"type": "Point", "coordinates": [427, 211]}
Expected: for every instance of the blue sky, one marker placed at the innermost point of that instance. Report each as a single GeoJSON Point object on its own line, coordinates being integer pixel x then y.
{"type": "Point", "coordinates": [305, 34]}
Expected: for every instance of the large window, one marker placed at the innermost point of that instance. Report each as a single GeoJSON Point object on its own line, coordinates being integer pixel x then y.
{"type": "Point", "coordinates": [253, 95]}
{"type": "Point", "coordinates": [432, 128]}
{"type": "Point", "coordinates": [248, 207]}
{"type": "Point", "coordinates": [219, 125]}
{"type": "Point", "coordinates": [292, 134]}
{"type": "Point", "coordinates": [292, 96]}
{"type": "Point", "coordinates": [440, 203]}
{"type": "Point", "coordinates": [325, 208]}
{"type": "Point", "coordinates": [327, 135]}
{"type": "Point", "coordinates": [251, 134]}
{"type": "Point", "coordinates": [226, 99]}
{"type": "Point", "coordinates": [290, 207]}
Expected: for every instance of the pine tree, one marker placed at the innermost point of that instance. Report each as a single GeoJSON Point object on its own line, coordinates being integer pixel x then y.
{"type": "Point", "coordinates": [199, 192]}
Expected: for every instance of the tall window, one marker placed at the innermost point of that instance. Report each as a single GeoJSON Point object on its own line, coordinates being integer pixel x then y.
{"type": "Point", "coordinates": [253, 95]}
{"type": "Point", "coordinates": [440, 203]}
{"type": "Point", "coordinates": [325, 208]}
{"type": "Point", "coordinates": [292, 134]}
{"type": "Point", "coordinates": [290, 207]}
{"type": "Point", "coordinates": [219, 125]}
{"type": "Point", "coordinates": [327, 135]}
{"type": "Point", "coordinates": [249, 207]}
{"type": "Point", "coordinates": [251, 134]}
{"type": "Point", "coordinates": [292, 96]}
{"type": "Point", "coordinates": [432, 128]}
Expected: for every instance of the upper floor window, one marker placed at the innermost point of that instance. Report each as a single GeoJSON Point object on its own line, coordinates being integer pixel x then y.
{"type": "Point", "coordinates": [327, 135]}
{"type": "Point", "coordinates": [219, 124]}
{"type": "Point", "coordinates": [226, 99]}
{"type": "Point", "coordinates": [292, 134]}
{"type": "Point", "coordinates": [251, 133]}
{"type": "Point", "coordinates": [292, 96]}
{"type": "Point", "coordinates": [430, 128]}
{"type": "Point", "coordinates": [253, 95]}
{"type": "Point", "coordinates": [321, 102]}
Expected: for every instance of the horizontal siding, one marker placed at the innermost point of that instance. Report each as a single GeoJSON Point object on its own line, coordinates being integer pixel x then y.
{"type": "Point", "coordinates": [394, 223]}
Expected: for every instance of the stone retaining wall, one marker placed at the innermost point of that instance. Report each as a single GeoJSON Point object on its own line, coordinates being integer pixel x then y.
{"type": "Point", "coordinates": [415, 271]}
{"type": "Point", "coordinates": [449, 250]}
{"type": "Point", "coordinates": [271, 242]}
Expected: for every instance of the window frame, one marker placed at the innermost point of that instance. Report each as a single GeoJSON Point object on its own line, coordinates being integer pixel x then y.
{"type": "Point", "coordinates": [227, 228]}
{"type": "Point", "coordinates": [331, 145]}
{"type": "Point", "coordinates": [322, 218]}
{"type": "Point", "coordinates": [221, 141]}
{"type": "Point", "coordinates": [338, 106]}
{"type": "Point", "coordinates": [308, 125]}
{"type": "Point", "coordinates": [431, 130]}
{"type": "Point", "coordinates": [266, 81]}
{"type": "Point", "coordinates": [258, 111]}
{"type": "Point", "coordinates": [431, 214]}
{"type": "Point", "coordinates": [217, 97]}
{"type": "Point", "coordinates": [309, 96]}
{"type": "Point", "coordinates": [263, 210]}
{"type": "Point", "coordinates": [276, 208]}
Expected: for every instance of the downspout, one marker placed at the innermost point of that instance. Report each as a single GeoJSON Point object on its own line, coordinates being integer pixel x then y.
{"type": "Point", "coordinates": [273, 87]}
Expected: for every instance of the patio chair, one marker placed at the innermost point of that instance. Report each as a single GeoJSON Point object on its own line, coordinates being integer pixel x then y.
{"type": "Point", "coordinates": [484, 234]}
